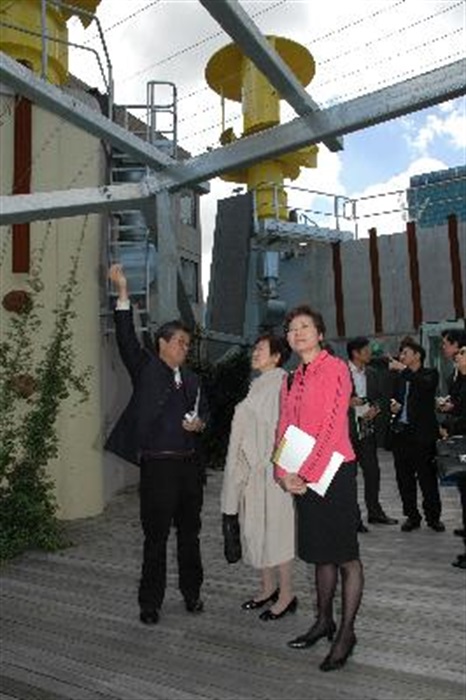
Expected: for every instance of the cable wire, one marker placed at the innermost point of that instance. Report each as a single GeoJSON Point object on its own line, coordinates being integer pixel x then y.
{"type": "Point", "coordinates": [197, 44]}
{"type": "Point", "coordinates": [125, 19]}
{"type": "Point", "coordinates": [397, 31]}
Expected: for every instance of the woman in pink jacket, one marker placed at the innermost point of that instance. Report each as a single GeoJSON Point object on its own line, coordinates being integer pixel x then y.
{"type": "Point", "coordinates": [317, 402]}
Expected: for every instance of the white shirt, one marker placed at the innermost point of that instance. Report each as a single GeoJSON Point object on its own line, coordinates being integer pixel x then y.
{"type": "Point", "coordinates": [359, 380]}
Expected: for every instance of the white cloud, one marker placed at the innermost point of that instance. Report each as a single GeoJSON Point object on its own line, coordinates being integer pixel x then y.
{"type": "Point", "coordinates": [449, 123]}
{"type": "Point", "coordinates": [358, 47]}
{"type": "Point", "coordinates": [383, 205]}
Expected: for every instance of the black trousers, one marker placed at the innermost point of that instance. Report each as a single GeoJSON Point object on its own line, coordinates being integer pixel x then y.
{"type": "Point", "coordinates": [366, 456]}
{"type": "Point", "coordinates": [462, 489]}
{"type": "Point", "coordinates": [414, 462]}
{"type": "Point", "coordinates": [171, 491]}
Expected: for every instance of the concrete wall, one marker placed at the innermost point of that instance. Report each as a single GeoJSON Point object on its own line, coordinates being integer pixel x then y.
{"type": "Point", "coordinates": [309, 278]}
{"type": "Point", "coordinates": [64, 157]}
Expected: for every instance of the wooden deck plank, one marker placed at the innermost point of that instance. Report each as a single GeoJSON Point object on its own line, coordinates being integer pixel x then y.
{"type": "Point", "coordinates": [70, 629]}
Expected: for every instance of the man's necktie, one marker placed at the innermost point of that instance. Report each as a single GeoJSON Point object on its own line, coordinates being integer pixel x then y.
{"type": "Point", "coordinates": [177, 377]}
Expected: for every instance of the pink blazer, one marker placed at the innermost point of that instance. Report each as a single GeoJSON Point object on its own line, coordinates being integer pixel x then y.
{"type": "Point", "coordinates": [318, 403]}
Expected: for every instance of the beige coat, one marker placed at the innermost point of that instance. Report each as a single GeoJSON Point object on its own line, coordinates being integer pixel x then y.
{"type": "Point", "coordinates": [266, 512]}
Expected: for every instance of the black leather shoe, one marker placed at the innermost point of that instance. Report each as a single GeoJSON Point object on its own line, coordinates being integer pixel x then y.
{"type": "Point", "coordinates": [437, 526]}
{"type": "Point", "coordinates": [194, 606]}
{"type": "Point", "coordinates": [460, 562]}
{"type": "Point", "coordinates": [149, 617]}
{"type": "Point", "coordinates": [459, 532]}
{"type": "Point", "coordinates": [362, 527]}
{"type": "Point", "coordinates": [255, 604]}
{"type": "Point", "coordinates": [410, 525]}
{"type": "Point", "coordinates": [269, 615]}
{"type": "Point", "coordinates": [304, 641]}
{"type": "Point", "coordinates": [329, 664]}
{"type": "Point", "coordinates": [382, 520]}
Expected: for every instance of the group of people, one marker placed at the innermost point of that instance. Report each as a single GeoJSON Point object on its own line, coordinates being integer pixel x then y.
{"type": "Point", "coordinates": [312, 510]}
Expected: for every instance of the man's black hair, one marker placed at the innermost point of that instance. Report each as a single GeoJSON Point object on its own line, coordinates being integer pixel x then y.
{"type": "Point", "coordinates": [167, 331]}
{"type": "Point", "coordinates": [356, 344]}
{"type": "Point", "coordinates": [455, 335]}
{"type": "Point", "coordinates": [415, 347]}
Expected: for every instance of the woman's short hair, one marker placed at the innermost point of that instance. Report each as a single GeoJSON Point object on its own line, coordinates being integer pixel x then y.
{"type": "Point", "coordinates": [278, 346]}
{"type": "Point", "coordinates": [305, 310]}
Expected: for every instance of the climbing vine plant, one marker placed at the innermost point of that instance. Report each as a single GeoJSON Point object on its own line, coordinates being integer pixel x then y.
{"type": "Point", "coordinates": [34, 383]}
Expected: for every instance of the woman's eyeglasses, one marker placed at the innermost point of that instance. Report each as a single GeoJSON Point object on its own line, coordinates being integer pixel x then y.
{"type": "Point", "coordinates": [296, 329]}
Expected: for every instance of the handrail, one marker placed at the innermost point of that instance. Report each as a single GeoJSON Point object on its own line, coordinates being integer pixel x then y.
{"type": "Point", "coordinates": [356, 205]}
{"type": "Point", "coordinates": [45, 37]}
{"type": "Point", "coordinates": [79, 11]}
{"type": "Point", "coordinates": [18, 28]}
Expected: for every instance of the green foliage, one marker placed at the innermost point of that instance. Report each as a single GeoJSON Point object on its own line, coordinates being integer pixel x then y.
{"type": "Point", "coordinates": [28, 416]}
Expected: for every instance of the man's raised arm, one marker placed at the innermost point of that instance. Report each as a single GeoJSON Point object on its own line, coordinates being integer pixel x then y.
{"type": "Point", "coordinates": [130, 349]}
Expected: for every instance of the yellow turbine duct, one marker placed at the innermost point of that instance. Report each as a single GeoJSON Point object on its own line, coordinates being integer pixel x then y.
{"type": "Point", "coordinates": [235, 77]}
{"type": "Point", "coordinates": [21, 34]}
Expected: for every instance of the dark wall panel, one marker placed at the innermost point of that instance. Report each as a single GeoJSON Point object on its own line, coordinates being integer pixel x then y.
{"type": "Point", "coordinates": [230, 259]}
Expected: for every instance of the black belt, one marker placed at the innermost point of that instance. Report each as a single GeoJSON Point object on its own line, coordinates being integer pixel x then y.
{"type": "Point", "coordinates": [168, 454]}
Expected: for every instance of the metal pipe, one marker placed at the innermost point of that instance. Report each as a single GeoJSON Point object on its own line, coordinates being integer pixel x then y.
{"type": "Point", "coordinates": [43, 30]}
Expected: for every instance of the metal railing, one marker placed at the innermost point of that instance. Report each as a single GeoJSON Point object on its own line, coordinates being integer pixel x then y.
{"type": "Point", "coordinates": [340, 212]}
{"type": "Point", "coordinates": [107, 76]}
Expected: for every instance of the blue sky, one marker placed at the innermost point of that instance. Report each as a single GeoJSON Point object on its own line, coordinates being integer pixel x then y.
{"type": "Point", "coordinates": [377, 154]}
{"type": "Point", "coordinates": [358, 48]}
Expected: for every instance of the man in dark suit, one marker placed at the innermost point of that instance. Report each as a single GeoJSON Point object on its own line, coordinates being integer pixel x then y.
{"type": "Point", "coordinates": [158, 431]}
{"type": "Point", "coordinates": [365, 406]}
{"type": "Point", "coordinates": [415, 431]}
{"type": "Point", "coordinates": [453, 339]}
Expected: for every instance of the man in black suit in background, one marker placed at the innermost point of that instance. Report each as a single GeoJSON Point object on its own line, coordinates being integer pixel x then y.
{"type": "Point", "coordinates": [158, 431]}
{"type": "Point", "coordinates": [366, 405]}
{"type": "Point", "coordinates": [415, 431]}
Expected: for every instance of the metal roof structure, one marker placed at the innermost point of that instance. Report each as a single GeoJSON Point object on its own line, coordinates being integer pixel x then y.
{"type": "Point", "coordinates": [311, 126]}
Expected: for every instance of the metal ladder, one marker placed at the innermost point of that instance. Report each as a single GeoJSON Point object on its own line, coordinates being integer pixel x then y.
{"type": "Point", "coordinates": [130, 236]}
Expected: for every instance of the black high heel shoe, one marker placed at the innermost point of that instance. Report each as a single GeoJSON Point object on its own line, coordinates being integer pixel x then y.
{"type": "Point", "coordinates": [269, 615]}
{"type": "Point", "coordinates": [307, 640]}
{"type": "Point", "coordinates": [255, 604]}
{"type": "Point", "coordinates": [329, 664]}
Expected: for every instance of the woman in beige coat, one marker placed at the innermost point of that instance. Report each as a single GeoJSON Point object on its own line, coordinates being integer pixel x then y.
{"type": "Point", "coordinates": [266, 512]}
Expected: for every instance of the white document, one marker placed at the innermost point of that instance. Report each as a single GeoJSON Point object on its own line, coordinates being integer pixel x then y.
{"type": "Point", "coordinates": [295, 447]}
{"type": "Point", "coordinates": [321, 486]}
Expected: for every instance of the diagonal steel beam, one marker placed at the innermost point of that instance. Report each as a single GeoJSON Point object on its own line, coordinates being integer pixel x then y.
{"type": "Point", "coordinates": [42, 206]}
{"type": "Point", "coordinates": [237, 23]}
{"type": "Point", "coordinates": [426, 90]}
{"type": "Point", "coordinates": [76, 112]}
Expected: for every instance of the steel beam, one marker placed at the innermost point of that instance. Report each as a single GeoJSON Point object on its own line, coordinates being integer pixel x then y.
{"type": "Point", "coordinates": [41, 206]}
{"type": "Point", "coordinates": [168, 260]}
{"type": "Point", "coordinates": [426, 90]}
{"type": "Point", "coordinates": [76, 112]}
{"type": "Point", "coordinates": [237, 23]}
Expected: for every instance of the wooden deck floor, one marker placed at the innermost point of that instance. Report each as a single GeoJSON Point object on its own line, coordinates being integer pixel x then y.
{"type": "Point", "coordinates": [70, 629]}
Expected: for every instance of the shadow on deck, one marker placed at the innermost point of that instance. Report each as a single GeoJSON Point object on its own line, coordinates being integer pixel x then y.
{"type": "Point", "coordinates": [70, 629]}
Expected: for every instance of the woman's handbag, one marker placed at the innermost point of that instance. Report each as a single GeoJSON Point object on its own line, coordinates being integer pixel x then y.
{"type": "Point", "coordinates": [231, 538]}
{"type": "Point", "coordinates": [451, 456]}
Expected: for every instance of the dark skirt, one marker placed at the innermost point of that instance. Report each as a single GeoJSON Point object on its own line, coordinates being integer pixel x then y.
{"type": "Point", "coordinates": [327, 526]}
